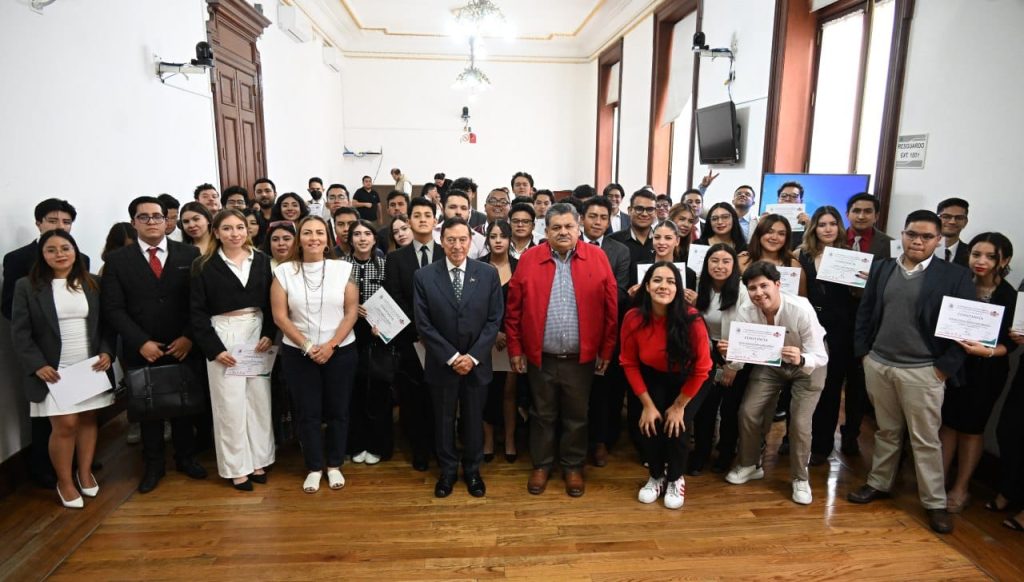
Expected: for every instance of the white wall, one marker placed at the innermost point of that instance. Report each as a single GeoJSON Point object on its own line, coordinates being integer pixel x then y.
{"type": "Point", "coordinates": [87, 119]}
{"type": "Point", "coordinates": [748, 24]}
{"type": "Point", "coordinates": [538, 117]}
{"type": "Point", "coordinates": [967, 102]}
{"type": "Point", "coordinates": [635, 106]}
{"type": "Point", "coordinates": [303, 107]}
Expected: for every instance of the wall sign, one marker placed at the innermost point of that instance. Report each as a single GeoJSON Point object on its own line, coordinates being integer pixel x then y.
{"type": "Point", "coordinates": [911, 150]}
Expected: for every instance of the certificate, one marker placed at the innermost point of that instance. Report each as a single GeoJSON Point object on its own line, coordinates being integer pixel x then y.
{"type": "Point", "coordinates": [790, 279]}
{"type": "Point", "coordinates": [842, 266]}
{"type": "Point", "coordinates": [250, 363]}
{"type": "Point", "coordinates": [642, 268]}
{"type": "Point", "coordinates": [753, 343]}
{"type": "Point", "coordinates": [383, 313]}
{"type": "Point", "coordinates": [79, 382]}
{"type": "Point", "coordinates": [1018, 315]}
{"type": "Point", "coordinates": [962, 319]}
{"type": "Point", "coordinates": [696, 258]}
{"type": "Point", "coordinates": [499, 360]}
{"type": "Point", "coordinates": [790, 212]}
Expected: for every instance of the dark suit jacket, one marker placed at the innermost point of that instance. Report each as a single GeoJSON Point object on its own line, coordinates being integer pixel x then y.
{"type": "Point", "coordinates": [618, 258]}
{"type": "Point", "coordinates": [962, 254]}
{"type": "Point", "coordinates": [215, 290]}
{"type": "Point", "coordinates": [140, 307]}
{"type": "Point", "coordinates": [476, 219]}
{"type": "Point", "coordinates": [638, 253]}
{"type": "Point", "coordinates": [399, 269]}
{"type": "Point", "coordinates": [17, 264]}
{"type": "Point", "coordinates": [35, 332]}
{"type": "Point", "coordinates": [469, 326]}
{"type": "Point", "coordinates": [940, 279]}
{"type": "Point", "coordinates": [623, 222]}
{"type": "Point", "coordinates": [880, 245]}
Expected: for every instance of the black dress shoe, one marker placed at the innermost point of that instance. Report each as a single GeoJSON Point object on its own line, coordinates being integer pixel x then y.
{"type": "Point", "coordinates": [150, 479]}
{"type": "Point", "coordinates": [191, 468]}
{"type": "Point", "coordinates": [244, 485]}
{"type": "Point", "coordinates": [261, 479]}
{"type": "Point", "coordinates": [850, 446]}
{"type": "Point", "coordinates": [940, 521]}
{"type": "Point", "coordinates": [420, 463]}
{"type": "Point", "coordinates": [866, 494]}
{"type": "Point", "coordinates": [784, 447]}
{"type": "Point", "coordinates": [817, 459]}
{"type": "Point", "coordinates": [444, 486]}
{"type": "Point", "coordinates": [511, 457]}
{"type": "Point", "coordinates": [488, 457]}
{"type": "Point", "coordinates": [475, 485]}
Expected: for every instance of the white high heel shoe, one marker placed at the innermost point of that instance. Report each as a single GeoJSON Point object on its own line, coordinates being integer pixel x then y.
{"type": "Point", "coordinates": [88, 491]}
{"type": "Point", "coordinates": [76, 503]}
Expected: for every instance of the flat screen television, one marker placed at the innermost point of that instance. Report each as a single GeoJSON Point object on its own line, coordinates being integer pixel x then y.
{"type": "Point", "coordinates": [819, 189]}
{"type": "Point", "coordinates": [718, 134]}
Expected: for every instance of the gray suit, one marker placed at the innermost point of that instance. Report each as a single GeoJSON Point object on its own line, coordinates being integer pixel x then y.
{"type": "Point", "coordinates": [35, 331]}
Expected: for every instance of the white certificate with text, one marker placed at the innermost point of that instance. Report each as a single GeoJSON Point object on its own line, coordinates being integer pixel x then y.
{"type": "Point", "coordinates": [754, 343]}
{"type": "Point", "coordinates": [250, 363]}
{"type": "Point", "coordinates": [1018, 315]}
{"type": "Point", "coordinates": [790, 279]}
{"type": "Point", "coordinates": [696, 257]}
{"type": "Point", "coordinates": [78, 383]}
{"type": "Point", "coordinates": [963, 319]}
{"type": "Point", "coordinates": [790, 212]}
{"type": "Point", "coordinates": [383, 313]}
{"type": "Point", "coordinates": [843, 266]}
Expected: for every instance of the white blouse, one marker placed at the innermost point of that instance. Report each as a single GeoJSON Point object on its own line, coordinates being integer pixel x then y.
{"type": "Point", "coordinates": [316, 297]}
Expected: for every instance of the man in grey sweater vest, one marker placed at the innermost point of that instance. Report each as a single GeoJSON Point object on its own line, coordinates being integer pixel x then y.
{"type": "Point", "coordinates": [906, 366]}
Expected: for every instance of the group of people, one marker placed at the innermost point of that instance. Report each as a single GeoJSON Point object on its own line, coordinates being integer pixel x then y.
{"type": "Point", "coordinates": [580, 298]}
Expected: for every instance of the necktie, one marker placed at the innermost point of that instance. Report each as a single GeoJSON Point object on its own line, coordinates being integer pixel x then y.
{"type": "Point", "coordinates": [424, 260]}
{"type": "Point", "coordinates": [595, 243]}
{"type": "Point", "coordinates": [949, 256]}
{"type": "Point", "coordinates": [457, 284]}
{"type": "Point", "coordinates": [856, 242]}
{"type": "Point", "coordinates": [154, 263]}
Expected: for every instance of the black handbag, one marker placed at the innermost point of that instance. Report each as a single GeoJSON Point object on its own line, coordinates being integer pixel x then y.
{"type": "Point", "coordinates": [382, 362]}
{"type": "Point", "coordinates": [168, 391]}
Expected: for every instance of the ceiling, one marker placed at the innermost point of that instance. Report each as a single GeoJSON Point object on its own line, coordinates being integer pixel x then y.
{"type": "Point", "coordinates": [546, 30]}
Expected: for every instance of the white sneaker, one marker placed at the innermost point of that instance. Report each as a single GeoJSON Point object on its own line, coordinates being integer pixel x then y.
{"type": "Point", "coordinates": [801, 492]}
{"type": "Point", "coordinates": [650, 492]}
{"type": "Point", "coordinates": [371, 459]}
{"type": "Point", "coordinates": [675, 493]}
{"type": "Point", "coordinates": [360, 457]}
{"type": "Point", "coordinates": [740, 475]}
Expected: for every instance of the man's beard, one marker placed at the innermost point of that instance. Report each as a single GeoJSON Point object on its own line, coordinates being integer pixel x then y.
{"type": "Point", "coordinates": [265, 203]}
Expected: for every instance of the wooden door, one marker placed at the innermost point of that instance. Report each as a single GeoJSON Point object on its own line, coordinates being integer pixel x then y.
{"type": "Point", "coordinates": [233, 29]}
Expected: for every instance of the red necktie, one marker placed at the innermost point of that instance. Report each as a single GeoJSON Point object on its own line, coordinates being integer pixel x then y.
{"type": "Point", "coordinates": [154, 263]}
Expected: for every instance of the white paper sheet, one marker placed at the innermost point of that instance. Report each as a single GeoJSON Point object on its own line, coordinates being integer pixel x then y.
{"type": "Point", "coordinates": [79, 382]}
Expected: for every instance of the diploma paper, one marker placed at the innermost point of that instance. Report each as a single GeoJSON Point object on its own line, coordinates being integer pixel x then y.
{"type": "Point", "coordinates": [383, 313]}
{"type": "Point", "coordinates": [790, 279]}
{"type": "Point", "coordinates": [642, 268]}
{"type": "Point", "coordinates": [842, 265]}
{"type": "Point", "coordinates": [696, 258]}
{"type": "Point", "coordinates": [78, 383]}
{"type": "Point", "coordinates": [962, 319]}
{"type": "Point", "coordinates": [789, 212]}
{"type": "Point", "coordinates": [250, 363]}
{"type": "Point", "coordinates": [499, 360]}
{"type": "Point", "coordinates": [1018, 315]}
{"type": "Point", "coordinates": [753, 343]}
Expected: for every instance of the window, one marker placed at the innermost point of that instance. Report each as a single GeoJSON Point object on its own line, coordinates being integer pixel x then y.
{"type": "Point", "coordinates": [609, 92]}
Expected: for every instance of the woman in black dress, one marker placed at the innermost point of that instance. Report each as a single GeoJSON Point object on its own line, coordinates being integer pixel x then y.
{"type": "Point", "coordinates": [500, 409]}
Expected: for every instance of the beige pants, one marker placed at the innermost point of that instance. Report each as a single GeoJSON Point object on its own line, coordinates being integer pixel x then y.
{"type": "Point", "coordinates": [910, 396]}
{"type": "Point", "coordinates": [243, 434]}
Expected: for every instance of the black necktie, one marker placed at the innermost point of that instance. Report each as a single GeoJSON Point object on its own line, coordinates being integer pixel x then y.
{"type": "Point", "coordinates": [949, 256]}
{"type": "Point", "coordinates": [595, 243]}
{"type": "Point", "coordinates": [424, 260]}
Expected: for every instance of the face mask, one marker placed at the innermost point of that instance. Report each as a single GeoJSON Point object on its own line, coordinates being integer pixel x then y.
{"type": "Point", "coordinates": [316, 194]}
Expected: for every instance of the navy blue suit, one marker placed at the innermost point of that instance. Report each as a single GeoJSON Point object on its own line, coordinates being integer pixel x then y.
{"type": "Point", "coordinates": [468, 326]}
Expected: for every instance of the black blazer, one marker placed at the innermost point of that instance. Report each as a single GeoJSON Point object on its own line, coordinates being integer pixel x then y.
{"type": "Point", "coordinates": [17, 264]}
{"type": "Point", "coordinates": [215, 289]}
{"type": "Point", "coordinates": [35, 331]}
{"type": "Point", "coordinates": [399, 269]}
{"type": "Point", "coordinates": [638, 253]}
{"type": "Point", "coordinates": [940, 279]}
{"type": "Point", "coordinates": [468, 326]}
{"type": "Point", "coordinates": [962, 254]}
{"type": "Point", "coordinates": [619, 259]}
{"type": "Point", "coordinates": [139, 307]}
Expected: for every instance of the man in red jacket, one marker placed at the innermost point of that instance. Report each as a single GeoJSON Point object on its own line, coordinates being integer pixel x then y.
{"type": "Point", "coordinates": [560, 324]}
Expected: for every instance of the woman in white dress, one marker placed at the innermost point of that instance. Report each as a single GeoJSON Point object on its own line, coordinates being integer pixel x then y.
{"type": "Point", "coordinates": [56, 324]}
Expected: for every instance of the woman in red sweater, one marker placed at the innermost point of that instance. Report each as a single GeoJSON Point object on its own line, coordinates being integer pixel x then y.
{"type": "Point", "coordinates": [666, 357]}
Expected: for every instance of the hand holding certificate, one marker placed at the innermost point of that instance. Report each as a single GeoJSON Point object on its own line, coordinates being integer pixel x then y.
{"type": "Point", "coordinates": [78, 383]}
{"type": "Point", "coordinates": [790, 212]}
{"type": "Point", "coordinates": [384, 314]}
{"type": "Point", "coordinates": [962, 319]}
{"type": "Point", "coordinates": [845, 267]}
{"type": "Point", "coordinates": [249, 362]}
{"type": "Point", "coordinates": [753, 343]}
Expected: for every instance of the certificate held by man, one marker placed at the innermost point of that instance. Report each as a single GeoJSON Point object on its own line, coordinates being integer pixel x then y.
{"type": "Point", "coordinates": [963, 319]}
{"type": "Point", "coordinates": [790, 212]}
{"type": "Point", "coordinates": [754, 343]}
{"type": "Point", "coordinates": [845, 267]}
{"type": "Point", "coordinates": [384, 314]}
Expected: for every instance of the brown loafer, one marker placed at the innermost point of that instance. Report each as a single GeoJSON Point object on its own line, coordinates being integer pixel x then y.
{"type": "Point", "coordinates": [538, 481]}
{"type": "Point", "coordinates": [574, 485]}
{"type": "Point", "coordinates": [600, 455]}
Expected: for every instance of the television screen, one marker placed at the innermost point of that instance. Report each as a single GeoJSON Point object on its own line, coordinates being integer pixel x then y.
{"type": "Point", "coordinates": [718, 134]}
{"type": "Point", "coordinates": [819, 189]}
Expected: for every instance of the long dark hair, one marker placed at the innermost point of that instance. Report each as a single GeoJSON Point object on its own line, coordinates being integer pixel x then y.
{"type": "Point", "coordinates": [730, 289]}
{"type": "Point", "coordinates": [272, 228]}
{"type": "Point", "coordinates": [42, 274]}
{"type": "Point", "coordinates": [739, 242]}
{"type": "Point", "coordinates": [275, 213]}
{"type": "Point", "coordinates": [116, 237]}
{"type": "Point", "coordinates": [678, 319]}
{"type": "Point", "coordinates": [755, 248]}
{"type": "Point", "coordinates": [198, 209]}
{"type": "Point", "coordinates": [1004, 250]}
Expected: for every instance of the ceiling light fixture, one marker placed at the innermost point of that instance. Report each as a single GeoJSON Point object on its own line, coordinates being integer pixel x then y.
{"type": "Point", "coordinates": [471, 78]}
{"type": "Point", "coordinates": [481, 18]}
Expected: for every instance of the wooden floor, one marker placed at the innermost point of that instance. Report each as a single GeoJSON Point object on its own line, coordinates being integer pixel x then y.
{"type": "Point", "coordinates": [386, 525]}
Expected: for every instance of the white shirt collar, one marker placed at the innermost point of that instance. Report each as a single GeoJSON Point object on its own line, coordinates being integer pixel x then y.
{"type": "Point", "coordinates": [145, 246]}
{"type": "Point", "coordinates": [597, 240]}
{"type": "Point", "coordinates": [452, 265]}
{"type": "Point", "coordinates": [220, 252]}
{"type": "Point", "coordinates": [919, 267]}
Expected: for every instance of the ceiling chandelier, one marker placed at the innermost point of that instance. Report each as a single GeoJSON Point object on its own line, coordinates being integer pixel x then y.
{"type": "Point", "coordinates": [472, 23]}
{"type": "Point", "coordinates": [471, 78]}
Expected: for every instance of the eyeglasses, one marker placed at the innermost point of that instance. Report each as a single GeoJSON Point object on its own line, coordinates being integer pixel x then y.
{"type": "Point", "coordinates": [953, 217]}
{"type": "Point", "coordinates": [788, 197]}
{"type": "Point", "coordinates": [925, 237]}
{"type": "Point", "coordinates": [151, 218]}
{"type": "Point", "coordinates": [336, 197]}
{"type": "Point", "coordinates": [720, 218]}
{"type": "Point", "coordinates": [497, 202]}
{"type": "Point", "coordinates": [663, 205]}
{"type": "Point", "coordinates": [521, 221]}
{"type": "Point", "coordinates": [644, 209]}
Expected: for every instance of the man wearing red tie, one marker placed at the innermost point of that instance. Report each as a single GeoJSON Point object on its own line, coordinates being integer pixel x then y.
{"type": "Point", "coordinates": [862, 212]}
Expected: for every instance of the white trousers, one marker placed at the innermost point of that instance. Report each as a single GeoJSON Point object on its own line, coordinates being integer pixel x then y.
{"type": "Point", "coordinates": [243, 434]}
